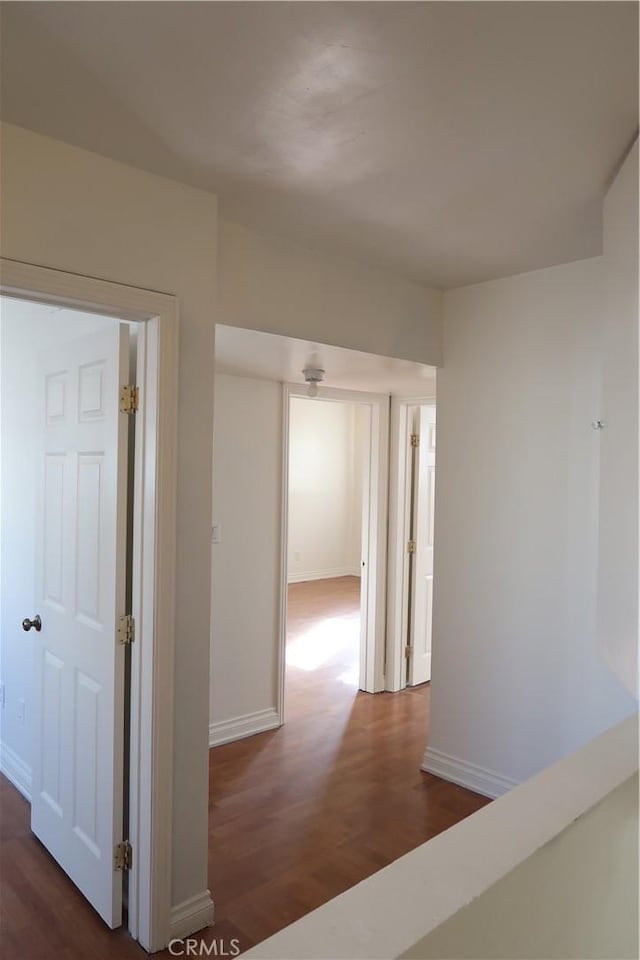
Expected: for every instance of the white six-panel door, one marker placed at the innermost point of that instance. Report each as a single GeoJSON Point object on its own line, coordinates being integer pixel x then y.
{"type": "Point", "coordinates": [419, 670]}
{"type": "Point", "coordinates": [77, 788]}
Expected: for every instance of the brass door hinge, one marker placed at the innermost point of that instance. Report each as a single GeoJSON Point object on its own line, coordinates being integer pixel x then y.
{"type": "Point", "coordinates": [407, 652]}
{"type": "Point", "coordinates": [415, 440]}
{"type": "Point", "coordinates": [126, 629]}
{"type": "Point", "coordinates": [129, 399]}
{"type": "Point", "coordinates": [412, 546]}
{"type": "Point", "coordinates": [123, 856]}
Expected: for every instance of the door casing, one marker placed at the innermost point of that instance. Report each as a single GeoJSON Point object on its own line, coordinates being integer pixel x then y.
{"type": "Point", "coordinates": [373, 650]}
{"type": "Point", "coordinates": [153, 572]}
{"type": "Point", "coordinates": [399, 526]}
{"type": "Point", "coordinates": [421, 598]}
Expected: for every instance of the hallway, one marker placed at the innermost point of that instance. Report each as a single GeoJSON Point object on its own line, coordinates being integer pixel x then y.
{"type": "Point", "coordinates": [296, 815]}
{"type": "Point", "coordinates": [300, 814]}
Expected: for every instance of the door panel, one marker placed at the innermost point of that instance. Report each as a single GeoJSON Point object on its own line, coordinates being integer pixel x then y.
{"type": "Point", "coordinates": [77, 791]}
{"type": "Point", "coordinates": [422, 568]}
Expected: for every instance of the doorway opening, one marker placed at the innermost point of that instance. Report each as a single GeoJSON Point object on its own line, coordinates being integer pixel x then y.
{"type": "Point", "coordinates": [81, 519]}
{"type": "Point", "coordinates": [328, 473]}
{"type": "Point", "coordinates": [333, 543]}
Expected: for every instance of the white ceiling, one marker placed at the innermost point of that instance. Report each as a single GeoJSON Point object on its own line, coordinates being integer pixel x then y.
{"type": "Point", "coordinates": [449, 141]}
{"type": "Point", "coordinates": [267, 356]}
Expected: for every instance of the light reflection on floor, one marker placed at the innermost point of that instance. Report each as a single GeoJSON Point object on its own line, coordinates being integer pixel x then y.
{"type": "Point", "coordinates": [331, 642]}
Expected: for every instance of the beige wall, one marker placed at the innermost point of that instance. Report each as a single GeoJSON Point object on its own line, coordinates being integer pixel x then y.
{"type": "Point", "coordinates": [75, 211]}
{"type": "Point", "coordinates": [575, 899]}
{"type": "Point", "coordinates": [282, 287]}
{"type": "Point", "coordinates": [325, 489]}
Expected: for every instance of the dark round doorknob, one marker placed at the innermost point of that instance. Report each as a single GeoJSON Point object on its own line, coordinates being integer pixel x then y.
{"type": "Point", "coordinates": [36, 623]}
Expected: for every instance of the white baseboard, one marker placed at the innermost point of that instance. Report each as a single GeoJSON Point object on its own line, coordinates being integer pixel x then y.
{"type": "Point", "coordinates": [191, 915]}
{"type": "Point", "coordinates": [479, 779]}
{"type": "Point", "coordinates": [16, 770]}
{"type": "Point", "coordinates": [224, 731]}
{"type": "Point", "coordinates": [352, 571]}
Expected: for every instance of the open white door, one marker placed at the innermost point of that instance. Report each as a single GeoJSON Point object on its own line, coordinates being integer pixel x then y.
{"type": "Point", "coordinates": [77, 786]}
{"type": "Point", "coordinates": [419, 670]}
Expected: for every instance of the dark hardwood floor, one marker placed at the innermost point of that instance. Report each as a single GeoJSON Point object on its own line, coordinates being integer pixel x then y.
{"type": "Point", "coordinates": [302, 813]}
{"type": "Point", "coordinates": [42, 914]}
{"type": "Point", "coordinates": [297, 815]}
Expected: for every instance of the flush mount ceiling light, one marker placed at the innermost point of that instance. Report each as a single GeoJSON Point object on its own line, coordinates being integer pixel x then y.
{"type": "Point", "coordinates": [313, 376]}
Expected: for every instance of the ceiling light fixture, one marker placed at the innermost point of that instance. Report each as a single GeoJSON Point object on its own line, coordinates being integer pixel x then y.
{"type": "Point", "coordinates": [313, 376]}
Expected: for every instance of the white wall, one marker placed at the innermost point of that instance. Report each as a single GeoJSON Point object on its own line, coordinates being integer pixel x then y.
{"type": "Point", "coordinates": [27, 331]}
{"type": "Point", "coordinates": [247, 497]}
{"type": "Point", "coordinates": [72, 210]}
{"type": "Point", "coordinates": [282, 287]}
{"type": "Point", "coordinates": [618, 535]}
{"type": "Point", "coordinates": [325, 489]}
{"type": "Point", "coordinates": [517, 680]}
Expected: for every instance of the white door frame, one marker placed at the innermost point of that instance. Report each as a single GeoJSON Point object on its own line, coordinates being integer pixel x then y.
{"type": "Point", "coordinates": [154, 540]}
{"type": "Point", "coordinates": [399, 524]}
{"type": "Point", "coordinates": [376, 559]}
